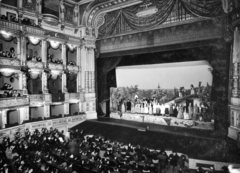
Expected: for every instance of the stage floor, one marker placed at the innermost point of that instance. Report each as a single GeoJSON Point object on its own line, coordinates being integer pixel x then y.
{"type": "Point", "coordinates": [163, 120]}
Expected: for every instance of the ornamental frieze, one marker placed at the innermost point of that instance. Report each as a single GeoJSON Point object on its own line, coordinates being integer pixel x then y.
{"type": "Point", "coordinates": [200, 30]}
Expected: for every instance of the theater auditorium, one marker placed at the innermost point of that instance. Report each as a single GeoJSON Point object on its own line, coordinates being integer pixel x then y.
{"type": "Point", "coordinates": [119, 86]}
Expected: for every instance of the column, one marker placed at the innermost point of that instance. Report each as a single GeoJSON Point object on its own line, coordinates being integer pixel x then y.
{"type": "Point", "coordinates": [66, 109]}
{"type": "Point", "coordinates": [23, 49]}
{"type": "Point", "coordinates": [44, 83]}
{"type": "Point", "coordinates": [64, 83]}
{"type": "Point", "coordinates": [83, 66]}
{"type": "Point", "coordinates": [23, 114]}
{"type": "Point", "coordinates": [3, 118]}
{"type": "Point", "coordinates": [44, 51]}
{"type": "Point", "coordinates": [18, 48]}
{"type": "Point", "coordinates": [64, 53]}
{"type": "Point", "coordinates": [44, 60]}
{"type": "Point", "coordinates": [46, 111]}
{"type": "Point", "coordinates": [79, 84]}
{"type": "Point", "coordinates": [93, 70]}
{"type": "Point", "coordinates": [23, 83]}
{"type": "Point", "coordinates": [64, 76]}
{"type": "Point", "coordinates": [236, 65]}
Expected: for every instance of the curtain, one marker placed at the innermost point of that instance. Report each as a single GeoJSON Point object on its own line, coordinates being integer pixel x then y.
{"type": "Point", "coordinates": [125, 18]}
{"type": "Point", "coordinates": [106, 65]}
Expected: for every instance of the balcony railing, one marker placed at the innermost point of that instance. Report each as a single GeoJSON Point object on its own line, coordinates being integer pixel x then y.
{"type": "Point", "coordinates": [68, 121]}
{"type": "Point", "coordinates": [9, 24]}
{"type": "Point", "coordinates": [10, 63]}
{"type": "Point", "coordinates": [36, 99]}
{"type": "Point", "coordinates": [11, 102]}
{"type": "Point", "coordinates": [74, 97]}
{"type": "Point", "coordinates": [55, 66]}
{"type": "Point", "coordinates": [35, 65]}
{"type": "Point", "coordinates": [58, 97]}
{"type": "Point", "coordinates": [73, 68]}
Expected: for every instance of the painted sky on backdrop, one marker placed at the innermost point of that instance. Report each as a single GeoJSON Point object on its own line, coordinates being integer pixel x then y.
{"type": "Point", "coordinates": [168, 75]}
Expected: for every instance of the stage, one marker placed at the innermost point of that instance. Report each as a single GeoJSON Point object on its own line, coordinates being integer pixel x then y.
{"type": "Point", "coordinates": [163, 120]}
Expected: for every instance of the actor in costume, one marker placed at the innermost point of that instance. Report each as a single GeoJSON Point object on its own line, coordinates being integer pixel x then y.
{"type": "Point", "coordinates": [190, 111]}
{"type": "Point", "coordinates": [180, 112]}
{"type": "Point", "coordinates": [195, 112]}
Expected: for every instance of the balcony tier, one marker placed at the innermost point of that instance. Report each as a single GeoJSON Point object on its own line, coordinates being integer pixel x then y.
{"type": "Point", "coordinates": [12, 102]}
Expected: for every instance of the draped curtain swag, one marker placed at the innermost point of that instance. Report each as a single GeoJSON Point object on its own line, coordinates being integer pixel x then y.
{"type": "Point", "coordinates": [127, 16]}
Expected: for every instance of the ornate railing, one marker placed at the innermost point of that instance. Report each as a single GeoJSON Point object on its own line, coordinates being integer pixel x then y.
{"type": "Point", "coordinates": [10, 63]}
{"type": "Point", "coordinates": [13, 102]}
{"type": "Point", "coordinates": [35, 65]}
{"type": "Point", "coordinates": [73, 68]}
{"type": "Point", "coordinates": [58, 97]}
{"type": "Point", "coordinates": [34, 30]}
{"type": "Point", "coordinates": [36, 99]}
{"type": "Point", "coordinates": [55, 66]}
{"type": "Point", "coordinates": [9, 24]}
{"type": "Point", "coordinates": [67, 121]}
{"type": "Point", "coordinates": [74, 97]}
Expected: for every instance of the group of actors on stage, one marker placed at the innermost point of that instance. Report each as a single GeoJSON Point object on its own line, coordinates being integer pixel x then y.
{"type": "Point", "coordinates": [153, 107]}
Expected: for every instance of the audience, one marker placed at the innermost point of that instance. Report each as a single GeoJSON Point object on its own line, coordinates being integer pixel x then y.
{"type": "Point", "coordinates": [51, 151]}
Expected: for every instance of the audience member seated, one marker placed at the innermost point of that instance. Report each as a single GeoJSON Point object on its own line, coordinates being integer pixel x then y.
{"type": "Point", "coordinates": [50, 151]}
{"type": "Point", "coordinates": [71, 63]}
{"type": "Point", "coordinates": [8, 54]}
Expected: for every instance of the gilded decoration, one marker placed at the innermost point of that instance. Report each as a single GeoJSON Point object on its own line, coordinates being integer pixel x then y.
{"type": "Point", "coordinates": [35, 65]}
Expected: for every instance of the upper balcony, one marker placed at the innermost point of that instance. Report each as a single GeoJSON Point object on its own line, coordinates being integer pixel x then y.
{"type": "Point", "coordinates": [11, 102]}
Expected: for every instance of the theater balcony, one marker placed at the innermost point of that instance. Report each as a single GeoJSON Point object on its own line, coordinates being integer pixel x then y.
{"type": "Point", "coordinates": [12, 102]}
{"type": "Point", "coordinates": [54, 67]}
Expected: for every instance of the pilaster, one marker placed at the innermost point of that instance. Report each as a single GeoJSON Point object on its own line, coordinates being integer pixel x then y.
{"type": "Point", "coordinates": [3, 118]}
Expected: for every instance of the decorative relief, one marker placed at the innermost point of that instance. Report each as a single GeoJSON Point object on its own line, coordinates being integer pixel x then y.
{"type": "Point", "coordinates": [66, 97]}
{"type": "Point", "coordinates": [13, 102]}
{"type": "Point", "coordinates": [163, 36]}
{"type": "Point", "coordinates": [34, 30]}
